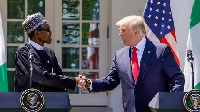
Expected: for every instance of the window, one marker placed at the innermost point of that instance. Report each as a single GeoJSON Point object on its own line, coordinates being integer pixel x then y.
{"type": "Point", "coordinates": [79, 39]}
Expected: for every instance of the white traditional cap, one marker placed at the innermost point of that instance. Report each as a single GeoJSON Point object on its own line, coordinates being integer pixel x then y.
{"type": "Point", "coordinates": [33, 21]}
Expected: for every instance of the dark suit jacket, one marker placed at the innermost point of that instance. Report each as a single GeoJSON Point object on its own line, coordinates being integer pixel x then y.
{"type": "Point", "coordinates": [41, 79]}
{"type": "Point", "coordinates": [158, 72]}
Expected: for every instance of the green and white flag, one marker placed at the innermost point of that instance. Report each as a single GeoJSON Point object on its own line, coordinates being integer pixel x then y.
{"type": "Point", "coordinates": [3, 65]}
{"type": "Point", "coordinates": [193, 43]}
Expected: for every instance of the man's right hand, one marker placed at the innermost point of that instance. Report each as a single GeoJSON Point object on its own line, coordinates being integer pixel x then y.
{"type": "Point", "coordinates": [82, 82]}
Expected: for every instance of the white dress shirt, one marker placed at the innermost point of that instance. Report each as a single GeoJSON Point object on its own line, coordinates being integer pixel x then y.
{"type": "Point", "coordinates": [140, 49]}
{"type": "Point", "coordinates": [35, 45]}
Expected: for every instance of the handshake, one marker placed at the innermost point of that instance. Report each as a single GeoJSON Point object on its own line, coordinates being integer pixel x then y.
{"type": "Point", "coordinates": [83, 82]}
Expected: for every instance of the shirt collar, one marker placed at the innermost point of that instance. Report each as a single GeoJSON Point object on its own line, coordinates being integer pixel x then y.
{"type": "Point", "coordinates": [141, 45]}
{"type": "Point", "coordinates": [35, 45]}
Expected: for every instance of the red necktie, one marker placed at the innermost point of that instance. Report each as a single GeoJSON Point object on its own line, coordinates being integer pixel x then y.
{"type": "Point", "coordinates": [134, 64]}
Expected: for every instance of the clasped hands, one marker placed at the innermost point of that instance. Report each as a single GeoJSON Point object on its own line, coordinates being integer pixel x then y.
{"type": "Point", "coordinates": [82, 81]}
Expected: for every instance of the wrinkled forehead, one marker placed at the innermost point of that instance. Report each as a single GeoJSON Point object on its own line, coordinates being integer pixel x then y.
{"type": "Point", "coordinates": [124, 26]}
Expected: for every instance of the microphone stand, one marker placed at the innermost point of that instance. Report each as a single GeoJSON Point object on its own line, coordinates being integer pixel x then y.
{"type": "Point", "coordinates": [191, 59]}
{"type": "Point", "coordinates": [192, 75]}
{"type": "Point", "coordinates": [31, 67]}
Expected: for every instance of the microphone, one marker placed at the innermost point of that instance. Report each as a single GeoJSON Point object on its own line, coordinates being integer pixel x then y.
{"type": "Point", "coordinates": [189, 56]}
{"type": "Point", "coordinates": [31, 57]}
{"type": "Point", "coordinates": [31, 60]}
{"type": "Point", "coordinates": [191, 59]}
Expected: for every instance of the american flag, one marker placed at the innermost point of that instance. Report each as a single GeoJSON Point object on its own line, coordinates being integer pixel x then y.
{"type": "Point", "coordinates": [93, 39]}
{"type": "Point", "coordinates": [160, 24]}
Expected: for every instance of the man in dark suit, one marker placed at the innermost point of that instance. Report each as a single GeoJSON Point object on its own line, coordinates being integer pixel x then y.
{"type": "Point", "coordinates": [142, 67]}
{"type": "Point", "coordinates": [46, 73]}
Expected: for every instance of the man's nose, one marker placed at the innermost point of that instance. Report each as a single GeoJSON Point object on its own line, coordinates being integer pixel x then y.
{"type": "Point", "coordinates": [120, 33]}
{"type": "Point", "coordinates": [50, 32]}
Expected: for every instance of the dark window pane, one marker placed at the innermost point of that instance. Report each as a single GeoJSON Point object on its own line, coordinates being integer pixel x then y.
{"type": "Point", "coordinates": [90, 10]}
{"type": "Point", "coordinates": [70, 33]}
{"type": "Point", "coordinates": [73, 74]}
{"type": "Point", "coordinates": [70, 9]}
{"type": "Point", "coordinates": [90, 34]}
{"type": "Point", "coordinates": [11, 56]}
{"type": "Point", "coordinates": [16, 9]}
{"type": "Point", "coordinates": [90, 58]}
{"type": "Point", "coordinates": [11, 80]}
{"type": "Point", "coordinates": [15, 32]}
{"type": "Point", "coordinates": [35, 6]}
{"type": "Point", "coordinates": [70, 58]}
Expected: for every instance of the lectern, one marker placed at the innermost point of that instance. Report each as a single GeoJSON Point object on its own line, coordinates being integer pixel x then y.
{"type": "Point", "coordinates": [54, 102]}
{"type": "Point", "coordinates": [168, 102]}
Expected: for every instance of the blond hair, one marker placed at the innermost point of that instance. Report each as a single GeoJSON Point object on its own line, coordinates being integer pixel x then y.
{"type": "Point", "coordinates": [134, 22]}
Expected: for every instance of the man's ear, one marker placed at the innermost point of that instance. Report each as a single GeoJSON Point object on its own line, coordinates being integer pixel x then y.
{"type": "Point", "coordinates": [137, 31]}
{"type": "Point", "coordinates": [36, 32]}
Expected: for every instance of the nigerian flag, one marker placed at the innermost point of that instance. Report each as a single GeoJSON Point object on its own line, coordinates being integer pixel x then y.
{"type": "Point", "coordinates": [3, 66]}
{"type": "Point", "coordinates": [193, 43]}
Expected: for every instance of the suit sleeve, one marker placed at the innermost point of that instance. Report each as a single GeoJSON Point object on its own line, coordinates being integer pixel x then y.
{"type": "Point", "coordinates": [172, 71]}
{"type": "Point", "coordinates": [107, 83]}
{"type": "Point", "coordinates": [39, 75]}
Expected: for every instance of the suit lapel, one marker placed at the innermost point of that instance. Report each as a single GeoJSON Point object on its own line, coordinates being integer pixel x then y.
{"type": "Point", "coordinates": [127, 63]}
{"type": "Point", "coordinates": [147, 55]}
